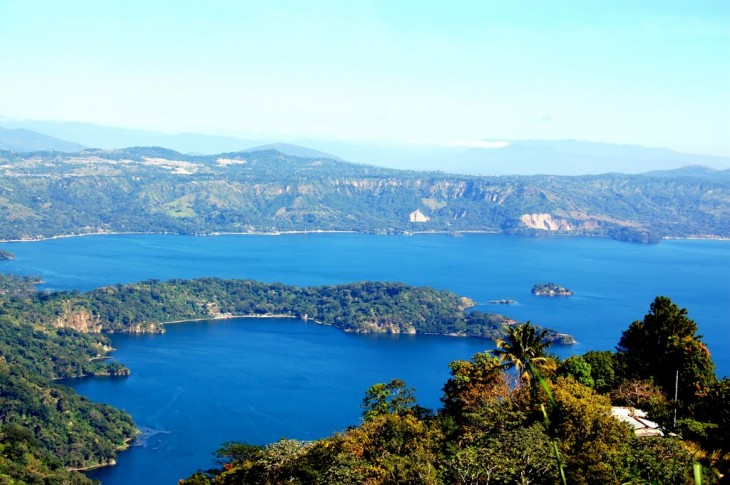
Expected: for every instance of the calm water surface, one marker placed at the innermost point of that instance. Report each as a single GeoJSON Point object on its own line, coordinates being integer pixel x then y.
{"type": "Point", "coordinates": [258, 380]}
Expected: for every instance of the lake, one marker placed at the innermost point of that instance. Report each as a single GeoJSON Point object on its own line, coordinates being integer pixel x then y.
{"type": "Point", "coordinates": [260, 379]}
{"type": "Point", "coordinates": [256, 380]}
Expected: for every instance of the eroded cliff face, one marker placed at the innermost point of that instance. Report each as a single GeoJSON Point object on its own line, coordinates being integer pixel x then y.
{"type": "Point", "coordinates": [270, 192]}
{"type": "Point", "coordinates": [83, 321]}
{"type": "Point", "coordinates": [78, 319]}
{"type": "Point", "coordinates": [418, 216]}
{"type": "Point", "coordinates": [545, 222]}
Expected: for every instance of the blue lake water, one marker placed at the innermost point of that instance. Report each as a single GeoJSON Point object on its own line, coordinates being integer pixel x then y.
{"type": "Point", "coordinates": [258, 380]}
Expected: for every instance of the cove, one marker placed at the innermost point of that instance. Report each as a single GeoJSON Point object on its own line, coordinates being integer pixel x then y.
{"type": "Point", "coordinates": [258, 380]}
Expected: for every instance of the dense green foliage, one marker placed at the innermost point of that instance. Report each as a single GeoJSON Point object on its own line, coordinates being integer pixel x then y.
{"type": "Point", "coordinates": [24, 460]}
{"type": "Point", "coordinates": [579, 369]}
{"type": "Point", "coordinates": [490, 432]}
{"type": "Point", "coordinates": [46, 428]}
{"type": "Point", "coordinates": [157, 190]}
{"type": "Point", "coordinates": [524, 348]}
{"type": "Point", "coordinates": [356, 307]}
{"type": "Point", "coordinates": [664, 343]}
{"type": "Point", "coordinates": [77, 431]}
{"type": "Point", "coordinates": [602, 365]}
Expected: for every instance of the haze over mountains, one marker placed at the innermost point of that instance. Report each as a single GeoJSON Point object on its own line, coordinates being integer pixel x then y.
{"type": "Point", "coordinates": [524, 157]}
{"type": "Point", "coordinates": [22, 140]}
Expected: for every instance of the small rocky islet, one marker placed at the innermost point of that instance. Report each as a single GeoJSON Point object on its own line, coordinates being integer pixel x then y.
{"type": "Point", "coordinates": [550, 289]}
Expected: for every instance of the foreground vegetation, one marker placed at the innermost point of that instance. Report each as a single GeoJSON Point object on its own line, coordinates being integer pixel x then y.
{"type": "Point", "coordinates": [155, 190]}
{"type": "Point", "coordinates": [553, 423]}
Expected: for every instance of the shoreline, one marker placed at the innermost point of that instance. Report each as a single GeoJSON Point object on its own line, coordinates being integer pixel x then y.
{"type": "Point", "coordinates": [318, 322]}
{"type": "Point", "coordinates": [233, 317]}
{"type": "Point", "coordinates": [337, 231]}
{"type": "Point", "coordinates": [140, 233]}
{"type": "Point", "coordinates": [127, 444]}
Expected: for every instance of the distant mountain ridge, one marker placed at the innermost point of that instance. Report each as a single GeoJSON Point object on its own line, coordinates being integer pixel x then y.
{"type": "Point", "coordinates": [22, 140]}
{"type": "Point", "coordinates": [158, 190]}
{"type": "Point", "coordinates": [107, 137]}
{"type": "Point", "coordinates": [698, 171]}
{"type": "Point", "coordinates": [514, 157]}
{"type": "Point", "coordinates": [568, 157]}
{"type": "Point", "coordinates": [293, 150]}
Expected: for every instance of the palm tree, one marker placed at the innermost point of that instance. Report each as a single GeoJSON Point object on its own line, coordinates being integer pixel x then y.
{"type": "Point", "coordinates": [524, 348]}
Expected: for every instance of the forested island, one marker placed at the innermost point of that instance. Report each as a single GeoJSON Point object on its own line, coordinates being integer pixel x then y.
{"type": "Point", "coordinates": [156, 190]}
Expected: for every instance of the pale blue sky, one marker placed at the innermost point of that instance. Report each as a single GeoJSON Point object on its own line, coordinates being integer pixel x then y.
{"type": "Point", "coordinates": [655, 73]}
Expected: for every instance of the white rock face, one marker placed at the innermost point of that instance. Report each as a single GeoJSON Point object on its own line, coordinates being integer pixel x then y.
{"type": "Point", "coordinates": [545, 222]}
{"type": "Point", "coordinates": [418, 216]}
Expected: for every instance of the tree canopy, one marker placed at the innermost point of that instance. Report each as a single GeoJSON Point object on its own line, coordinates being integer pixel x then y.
{"type": "Point", "coordinates": [489, 432]}
{"type": "Point", "coordinates": [663, 343]}
{"type": "Point", "coordinates": [524, 347]}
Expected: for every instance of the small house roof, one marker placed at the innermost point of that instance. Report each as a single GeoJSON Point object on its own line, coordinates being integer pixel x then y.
{"type": "Point", "coordinates": [636, 418]}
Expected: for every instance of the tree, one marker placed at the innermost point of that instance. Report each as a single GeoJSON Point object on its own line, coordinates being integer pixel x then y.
{"type": "Point", "coordinates": [391, 398]}
{"type": "Point", "coordinates": [520, 455]}
{"type": "Point", "coordinates": [474, 389]}
{"type": "Point", "coordinates": [237, 452]}
{"type": "Point", "coordinates": [717, 410]}
{"type": "Point", "coordinates": [577, 368]}
{"type": "Point", "coordinates": [603, 373]}
{"type": "Point", "coordinates": [665, 343]}
{"type": "Point", "coordinates": [524, 348]}
{"type": "Point", "coordinates": [637, 394]}
{"type": "Point", "coordinates": [658, 460]}
{"type": "Point", "coordinates": [593, 442]}
{"type": "Point", "coordinates": [394, 448]}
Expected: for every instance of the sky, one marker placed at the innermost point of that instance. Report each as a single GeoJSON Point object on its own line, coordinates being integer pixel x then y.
{"type": "Point", "coordinates": [455, 73]}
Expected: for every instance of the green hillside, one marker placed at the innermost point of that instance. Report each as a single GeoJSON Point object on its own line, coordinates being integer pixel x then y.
{"type": "Point", "coordinates": [157, 190]}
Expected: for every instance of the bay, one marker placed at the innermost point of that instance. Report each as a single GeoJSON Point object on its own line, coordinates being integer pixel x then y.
{"type": "Point", "coordinates": [255, 380]}
{"type": "Point", "coordinates": [614, 283]}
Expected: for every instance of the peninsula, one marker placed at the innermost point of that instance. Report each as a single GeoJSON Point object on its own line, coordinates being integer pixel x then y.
{"type": "Point", "coordinates": [364, 307]}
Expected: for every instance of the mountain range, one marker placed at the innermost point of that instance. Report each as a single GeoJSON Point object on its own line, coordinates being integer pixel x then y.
{"type": "Point", "coordinates": [22, 140]}
{"type": "Point", "coordinates": [158, 190]}
{"type": "Point", "coordinates": [521, 157]}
